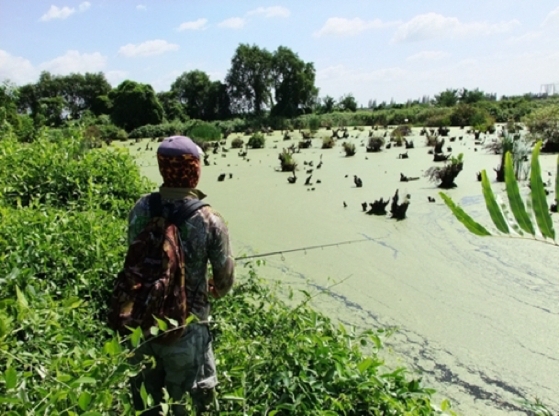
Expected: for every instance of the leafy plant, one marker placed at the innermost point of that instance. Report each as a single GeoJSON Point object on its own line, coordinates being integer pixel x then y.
{"type": "Point", "coordinates": [237, 143]}
{"type": "Point", "coordinates": [447, 174]}
{"type": "Point", "coordinates": [204, 132]}
{"type": "Point", "coordinates": [256, 141]}
{"type": "Point", "coordinates": [328, 142]}
{"type": "Point", "coordinates": [287, 162]}
{"type": "Point", "coordinates": [521, 223]}
{"type": "Point", "coordinates": [349, 149]}
{"type": "Point", "coordinates": [375, 144]}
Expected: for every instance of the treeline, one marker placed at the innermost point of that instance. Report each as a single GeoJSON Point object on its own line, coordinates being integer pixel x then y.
{"type": "Point", "coordinates": [275, 89]}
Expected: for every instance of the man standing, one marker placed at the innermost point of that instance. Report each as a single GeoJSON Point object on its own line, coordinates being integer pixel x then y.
{"type": "Point", "coordinates": [188, 364]}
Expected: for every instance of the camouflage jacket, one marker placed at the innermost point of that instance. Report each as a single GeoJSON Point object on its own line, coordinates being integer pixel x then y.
{"type": "Point", "coordinates": [205, 240]}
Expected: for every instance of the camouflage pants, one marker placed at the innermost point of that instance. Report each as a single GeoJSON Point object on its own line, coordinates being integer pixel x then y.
{"type": "Point", "coordinates": [187, 366]}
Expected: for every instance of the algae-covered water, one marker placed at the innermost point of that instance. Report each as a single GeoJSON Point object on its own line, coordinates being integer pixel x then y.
{"type": "Point", "coordinates": [478, 318]}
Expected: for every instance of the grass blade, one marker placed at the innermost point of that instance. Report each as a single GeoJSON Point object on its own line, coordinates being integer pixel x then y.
{"type": "Point", "coordinates": [492, 205]}
{"type": "Point", "coordinates": [515, 200]}
{"type": "Point", "coordinates": [461, 215]}
{"type": "Point", "coordinates": [539, 200]}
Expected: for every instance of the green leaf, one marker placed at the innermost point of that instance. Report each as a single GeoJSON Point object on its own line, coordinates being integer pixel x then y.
{"type": "Point", "coordinates": [11, 378]}
{"type": "Point", "coordinates": [472, 226]}
{"type": "Point", "coordinates": [112, 347]}
{"type": "Point", "coordinates": [539, 200]}
{"type": "Point", "coordinates": [161, 324]}
{"type": "Point", "coordinates": [84, 400]}
{"type": "Point", "coordinates": [363, 365]}
{"type": "Point", "coordinates": [83, 380]}
{"type": "Point", "coordinates": [557, 181]}
{"type": "Point", "coordinates": [21, 300]}
{"type": "Point", "coordinates": [515, 200]}
{"type": "Point", "coordinates": [135, 336]}
{"type": "Point", "coordinates": [492, 205]}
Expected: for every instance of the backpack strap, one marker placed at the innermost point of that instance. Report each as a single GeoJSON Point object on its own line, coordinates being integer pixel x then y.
{"type": "Point", "coordinates": [187, 210]}
{"type": "Point", "coordinates": [184, 212]}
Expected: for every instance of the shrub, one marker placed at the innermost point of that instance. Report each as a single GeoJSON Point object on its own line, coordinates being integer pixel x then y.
{"type": "Point", "coordinates": [446, 175]}
{"type": "Point", "coordinates": [314, 124]}
{"type": "Point", "coordinates": [203, 132]}
{"type": "Point", "coordinates": [60, 171]}
{"type": "Point", "coordinates": [375, 144]}
{"type": "Point", "coordinates": [349, 149]}
{"type": "Point", "coordinates": [257, 141]}
{"type": "Point", "coordinates": [237, 143]}
{"type": "Point", "coordinates": [543, 124]}
{"type": "Point", "coordinates": [287, 162]}
{"type": "Point", "coordinates": [328, 142]}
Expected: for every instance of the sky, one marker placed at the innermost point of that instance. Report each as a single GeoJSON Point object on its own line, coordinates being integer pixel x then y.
{"type": "Point", "coordinates": [372, 49]}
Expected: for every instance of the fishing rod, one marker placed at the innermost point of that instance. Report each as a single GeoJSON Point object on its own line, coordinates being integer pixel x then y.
{"type": "Point", "coordinates": [293, 250]}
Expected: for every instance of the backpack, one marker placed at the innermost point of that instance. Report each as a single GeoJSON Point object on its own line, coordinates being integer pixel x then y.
{"type": "Point", "coordinates": [152, 282]}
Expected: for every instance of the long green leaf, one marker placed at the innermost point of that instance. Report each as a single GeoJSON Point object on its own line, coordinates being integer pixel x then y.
{"type": "Point", "coordinates": [472, 226]}
{"type": "Point", "coordinates": [539, 200]}
{"type": "Point", "coordinates": [492, 205]}
{"type": "Point", "coordinates": [515, 200]}
{"type": "Point", "coordinates": [557, 182]}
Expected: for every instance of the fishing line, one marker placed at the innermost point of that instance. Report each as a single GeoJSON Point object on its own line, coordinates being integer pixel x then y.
{"type": "Point", "coordinates": [293, 250]}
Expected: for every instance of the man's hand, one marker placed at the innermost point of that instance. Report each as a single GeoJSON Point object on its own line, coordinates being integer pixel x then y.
{"type": "Point", "coordinates": [211, 289]}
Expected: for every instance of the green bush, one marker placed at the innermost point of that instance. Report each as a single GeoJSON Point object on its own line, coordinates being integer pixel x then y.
{"type": "Point", "coordinates": [237, 143]}
{"type": "Point", "coordinates": [287, 162]}
{"type": "Point", "coordinates": [349, 149]}
{"type": "Point", "coordinates": [204, 132]}
{"type": "Point", "coordinates": [257, 141]}
{"type": "Point", "coordinates": [328, 142]}
{"type": "Point", "coordinates": [60, 171]}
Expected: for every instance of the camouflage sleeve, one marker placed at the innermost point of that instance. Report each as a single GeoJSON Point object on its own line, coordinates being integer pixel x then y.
{"type": "Point", "coordinates": [220, 254]}
{"type": "Point", "coordinates": [138, 218]}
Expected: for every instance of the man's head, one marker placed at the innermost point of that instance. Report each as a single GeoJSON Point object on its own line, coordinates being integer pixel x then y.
{"type": "Point", "coordinates": [178, 158]}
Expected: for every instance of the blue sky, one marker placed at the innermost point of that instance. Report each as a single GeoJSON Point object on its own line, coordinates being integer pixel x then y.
{"type": "Point", "coordinates": [373, 49]}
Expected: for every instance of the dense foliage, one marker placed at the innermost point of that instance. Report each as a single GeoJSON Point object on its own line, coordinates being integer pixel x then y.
{"type": "Point", "coordinates": [62, 242]}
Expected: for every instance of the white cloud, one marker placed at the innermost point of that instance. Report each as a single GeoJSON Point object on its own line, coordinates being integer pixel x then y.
{"type": "Point", "coordinates": [16, 69]}
{"type": "Point", "coordinates": [428, 56]}
{"type": "Point", "coordinates": [527, 37]}
{"type": "Point", "coordinates": [274, 11]}
{"type": "Point", "coordinates": [84, 6]}
{"type": "Point", "coordinates": [434, 25]}
{"type": "Point", "coordinates": [342, 74]}
{"type": "Point", "coordinates": [233, 23]}
{"type": "Point", "coordinates": [149, 48]}
{"type": "Point", "coordinates": [74, 62]}
{"type": "Point", "coordinates": [199, 24]}
{"type": "Point", "coordinates": [141, 7]}
{"type": "Point", "coordinates": [57, 13]}
{"type": "Point", "coordinates": [115, 77]}
{"type": "Point", "coordinates": [339, 26]}
{"type": "Point", "coordinates": [552, 18]}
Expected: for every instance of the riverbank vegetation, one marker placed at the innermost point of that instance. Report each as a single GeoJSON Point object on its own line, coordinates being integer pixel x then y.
{"type": "Point", "coordinates": [63, 207]}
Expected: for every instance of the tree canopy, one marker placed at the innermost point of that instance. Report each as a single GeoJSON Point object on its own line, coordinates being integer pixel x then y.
{"type": "Point", "coordinates": [135, 105]}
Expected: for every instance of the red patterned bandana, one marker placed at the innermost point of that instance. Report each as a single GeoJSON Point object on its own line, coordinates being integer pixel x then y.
{"type": "Point", "coordinates": [182, 171]}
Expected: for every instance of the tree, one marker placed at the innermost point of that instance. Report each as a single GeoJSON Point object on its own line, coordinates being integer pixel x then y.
{"type": "Point", "coordinates": [219, 104]}
{"type": "Point", "coordinates": [328, 105]}
{"type": "Point", "coordinates": [447, 98]}
{"type": "Point", "coordinates": [249, 79]}
{"type": "Point", "coordinates": [347, 103]}
{"type": "Point", "coordinates": [172, 107]}
{"type": "Point", "coordinates": [192, 89]}
{"type": "Point", "coordinates": [8, 104]}
{"type": "Point", "coordinates": [135, 105]}
{"type": "Point", "coordinates": [293, 82]}
{"type": "Point", "coordinates": [471, 96]}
